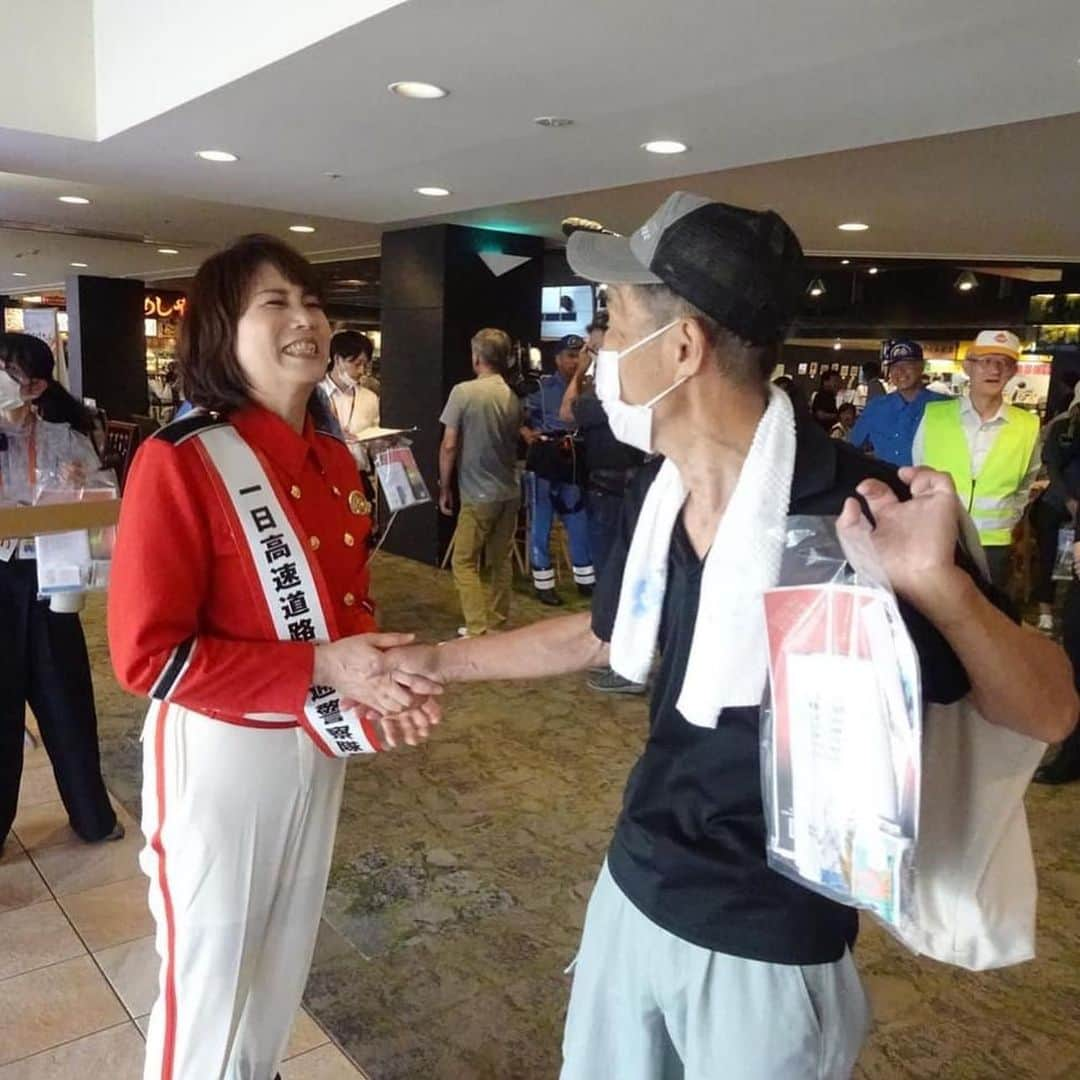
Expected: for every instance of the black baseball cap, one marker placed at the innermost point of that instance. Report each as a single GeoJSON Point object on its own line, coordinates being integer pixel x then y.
{"type": "Point", "coordinates": [744, 268]}
{"type": "Point", "coordinates": [898, 352]}
{"type": "Point", "coordinates": [571, 343]}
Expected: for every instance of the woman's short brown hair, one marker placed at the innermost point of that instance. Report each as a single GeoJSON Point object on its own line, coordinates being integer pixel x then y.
{"type": "Point", "coordinates": [210, 372]}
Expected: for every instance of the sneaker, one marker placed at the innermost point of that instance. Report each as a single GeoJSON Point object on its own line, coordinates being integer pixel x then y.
{"type": "Point", "coordinates": [1062, 770]}
{"type": "Point", "coordinates": [585, 590]}
{"type": "Point", "coordinates": [1046, 624]}
{"type": "Point", "coordinates": [609, 683]}
{"type": "Point", "coordinates": [549, 598]}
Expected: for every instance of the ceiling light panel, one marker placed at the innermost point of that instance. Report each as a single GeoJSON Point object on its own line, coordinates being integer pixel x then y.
{"type": "Point", "coordinates": [433, 192]}
{"type": "Point", "coordinates": [74, 200]}
{"type": "Point", "coordinates": [417, 91]}
{"type": "Point", "coordinates": [219, 157]}
{"type": "Point", "coordinates": [853, 226]}
{"type": "Point", "coordinates": [665, 146]}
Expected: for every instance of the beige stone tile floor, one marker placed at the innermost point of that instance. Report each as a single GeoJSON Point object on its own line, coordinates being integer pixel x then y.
{"type": "Point", "coordinates": [461, 872]}
{"type": "Point", "coordinates": [78, 970]}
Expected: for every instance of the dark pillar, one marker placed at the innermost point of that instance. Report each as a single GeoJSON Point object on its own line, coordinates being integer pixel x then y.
{"type": "Point", "coordinates": [107, 343]}
{"type": "Point", "coordinates": [436, 293]}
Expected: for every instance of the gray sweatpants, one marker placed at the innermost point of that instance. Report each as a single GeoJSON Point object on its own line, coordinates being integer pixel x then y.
{"type": "Point", "coordinates": [647, 1005]}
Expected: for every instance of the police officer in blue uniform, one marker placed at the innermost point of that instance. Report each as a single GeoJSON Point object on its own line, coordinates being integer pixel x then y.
{"type": "Point", "coordinates": [554, 472]}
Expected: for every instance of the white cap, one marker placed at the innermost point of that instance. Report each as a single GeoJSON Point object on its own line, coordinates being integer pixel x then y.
{"type": "Point", "coordinates": [996, 343]}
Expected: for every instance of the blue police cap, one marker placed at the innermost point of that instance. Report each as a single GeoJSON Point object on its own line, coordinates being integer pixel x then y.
{"type": "Point", "coordinates": [904, 349]}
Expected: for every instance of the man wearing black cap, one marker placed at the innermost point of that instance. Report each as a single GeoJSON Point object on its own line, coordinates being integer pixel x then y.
{"type": "Point", "coordinates": [554, 475]}
{"type": "Point", "coordinates": [697, 960]}
{"type": "Point", "coordinates": [888, 424]}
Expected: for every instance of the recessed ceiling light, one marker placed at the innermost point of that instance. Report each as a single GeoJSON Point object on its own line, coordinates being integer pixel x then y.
{"type": "Point", "coordinates": [418, 91]}
{"type": "Point", "coordinates": [220, 156]}
{"type": "Point", "coordinates": [553, 121]}
{"type": "Point", "coordinates": [967, 281]}
{"type": "Point", "coordinates": [167, 251]}
{"type": "Point", "coordinates": [845, 262]}
{"type": "Point", "coordinates": [816, 288]}
{"type": "Point", "coordinates": [74, 200]}
{"type": "Point", "coordinates": [665, 146]}
{"type": "Point", "coordinates": [81, 266]}
{"type": "Point", "coordinates": [872, 270]}
{"type": "Point", "coordinates": [853, 226]}
{"type": "Point", "coordinates": [302, 228]}
{"type": "Point", "coordinates": [17, 273]}
{"type": "Point", "coordinates": [837, 346]}
{"type": "Point", "coordinates": [433, 192]}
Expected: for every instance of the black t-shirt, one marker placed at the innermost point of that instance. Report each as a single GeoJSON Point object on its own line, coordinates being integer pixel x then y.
{"type": "Point", "coordinates": [825, 403]}
{"type": "Point", "coordinates": [602, 450]}
{"type": "Point", "coordinates": [689, 846]}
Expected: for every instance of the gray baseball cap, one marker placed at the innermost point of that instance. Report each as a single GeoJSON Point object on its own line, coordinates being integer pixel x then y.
{"type": "Point", "coordinates": [744, 268]}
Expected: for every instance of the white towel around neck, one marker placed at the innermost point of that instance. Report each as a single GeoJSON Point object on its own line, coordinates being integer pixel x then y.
{"type": "Point", "coordinates": [728, 660]}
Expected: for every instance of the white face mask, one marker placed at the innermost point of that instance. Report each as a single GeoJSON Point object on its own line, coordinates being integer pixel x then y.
{"type": "Point", "coordinates": [630, 424]}
{"type": "Point", "coordinates": [11, 393]}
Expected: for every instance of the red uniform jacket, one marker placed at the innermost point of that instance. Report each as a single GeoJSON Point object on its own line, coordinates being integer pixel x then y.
{"type": "Point", "coordinates": [187, 620]}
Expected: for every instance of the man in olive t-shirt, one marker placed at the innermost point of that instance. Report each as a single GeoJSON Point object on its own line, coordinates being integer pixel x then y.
{"type": "Point", "coordinates": [481, 420]}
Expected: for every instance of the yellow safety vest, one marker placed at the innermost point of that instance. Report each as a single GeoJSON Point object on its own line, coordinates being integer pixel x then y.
{"type": "Point", "coordinates": [993, 498]}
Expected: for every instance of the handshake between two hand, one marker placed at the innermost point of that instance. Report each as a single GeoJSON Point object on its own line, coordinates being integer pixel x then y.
{"type": "Point", "coordinates": [396, 682]}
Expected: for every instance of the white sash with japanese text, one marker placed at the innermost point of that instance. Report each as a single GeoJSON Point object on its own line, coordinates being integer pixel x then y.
{"type": "Point", "coordinates": [287, 577]}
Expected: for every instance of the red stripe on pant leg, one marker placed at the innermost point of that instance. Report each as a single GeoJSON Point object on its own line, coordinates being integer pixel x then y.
{"type": "Point", "coordinates": [372, 734]}
{"type": "Point", "coordinates": [169, 1050]}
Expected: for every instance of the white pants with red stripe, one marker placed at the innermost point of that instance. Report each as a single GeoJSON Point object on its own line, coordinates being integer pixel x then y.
{"type": "Point", "coordinates": [239, 825]}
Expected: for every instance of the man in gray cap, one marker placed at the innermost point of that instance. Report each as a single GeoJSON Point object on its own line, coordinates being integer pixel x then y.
{"type": "Point", "coordinates": [697, 959]}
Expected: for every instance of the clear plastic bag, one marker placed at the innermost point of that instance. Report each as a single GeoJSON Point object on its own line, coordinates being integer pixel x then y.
{"type": "Point", "coordinates": [78, 561]}
{"type": "Point", "coordinates": [841, 726]}
{"type": "Point", "coordinates": [1064, 564]}
{"type": "Point", "coordinates": [400, 479]}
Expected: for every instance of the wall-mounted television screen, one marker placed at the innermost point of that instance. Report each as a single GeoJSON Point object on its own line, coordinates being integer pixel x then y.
{"type": "Point", "coordinates": [565, 309]}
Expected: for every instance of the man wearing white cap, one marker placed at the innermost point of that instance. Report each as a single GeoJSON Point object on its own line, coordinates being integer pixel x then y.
{"type": "Point", "coordinates": [990, 449]}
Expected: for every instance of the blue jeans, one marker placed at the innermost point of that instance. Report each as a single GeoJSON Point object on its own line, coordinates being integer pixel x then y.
{"type": "Point", "coordinates": [568, 501]}
{"type": "Point", "coordinates": [604, 511]}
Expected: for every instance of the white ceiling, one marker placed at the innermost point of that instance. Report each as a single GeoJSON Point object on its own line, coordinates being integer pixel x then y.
{"type": "Point", "coordinates": [743, 82]}
{"type": "Point", "coordinates": [1009, 192]}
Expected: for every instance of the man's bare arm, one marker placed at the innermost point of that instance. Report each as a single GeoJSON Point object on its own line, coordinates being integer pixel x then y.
{"type": "Point", "coordinates": [573, 390]}
{"type": "Point", "coordinates": [551, 647]}
{"type": "Point", "coordinates": [448, 455]}
{"type": "Point", "coordinates": [1019, 679]}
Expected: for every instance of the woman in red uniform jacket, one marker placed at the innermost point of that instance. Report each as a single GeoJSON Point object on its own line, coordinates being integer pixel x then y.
{"type": "Point", "coordinates": [239, 605]}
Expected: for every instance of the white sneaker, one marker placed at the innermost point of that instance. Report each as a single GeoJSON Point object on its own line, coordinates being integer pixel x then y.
{"type": "Point", "coordinates": [1046, 624]}
{"type": "Point", "coordinates": [462, 631]}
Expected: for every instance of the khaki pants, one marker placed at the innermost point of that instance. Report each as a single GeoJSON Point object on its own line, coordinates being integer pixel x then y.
{"type": "Point", "coordinates": [484, 530]}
